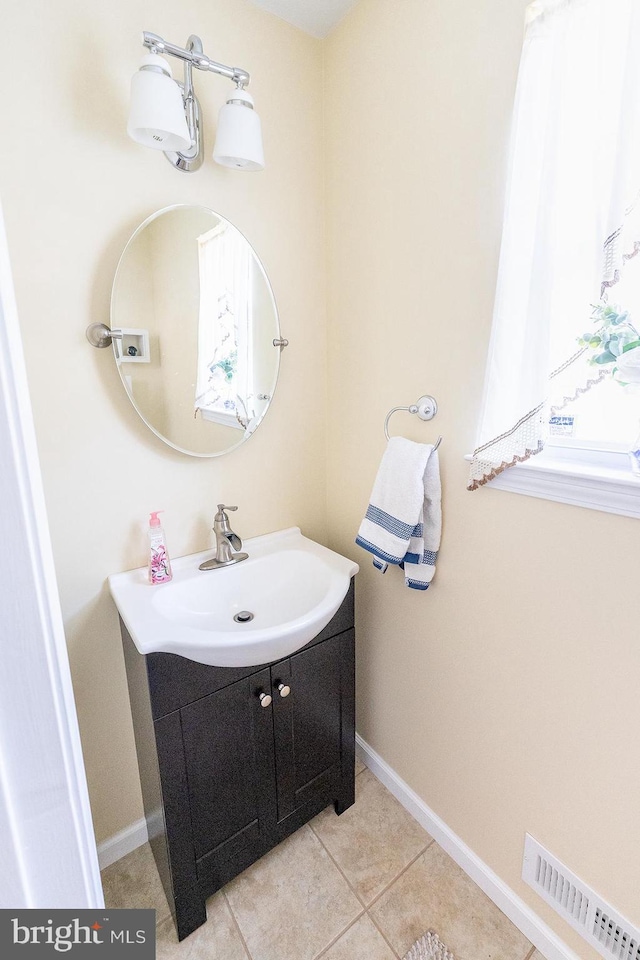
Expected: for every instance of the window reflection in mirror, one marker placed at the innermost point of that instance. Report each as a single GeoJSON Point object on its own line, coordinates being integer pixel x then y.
{"type": "Point", "coordinates": [198, 320]}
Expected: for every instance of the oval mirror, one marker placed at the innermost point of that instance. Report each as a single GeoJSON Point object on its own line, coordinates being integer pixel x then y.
{"type": "Point", "coordinates": [194, 319]}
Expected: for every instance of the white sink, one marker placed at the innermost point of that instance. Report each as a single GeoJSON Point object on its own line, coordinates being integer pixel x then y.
{"type": "Point", "coordinates": [291, 585]}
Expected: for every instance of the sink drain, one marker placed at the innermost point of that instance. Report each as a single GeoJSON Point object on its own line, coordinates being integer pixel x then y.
{"type": "Point", "coordinates": [243, 617]}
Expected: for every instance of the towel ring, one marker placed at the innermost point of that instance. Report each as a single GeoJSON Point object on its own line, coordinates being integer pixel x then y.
{"type": "Point", "coordinates": [426, 408]}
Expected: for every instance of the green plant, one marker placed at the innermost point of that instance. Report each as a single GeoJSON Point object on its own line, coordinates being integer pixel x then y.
{"type": "Point", "coordinates": [228, 366]}
{"type": "Point", "coordinates": [615, 337]}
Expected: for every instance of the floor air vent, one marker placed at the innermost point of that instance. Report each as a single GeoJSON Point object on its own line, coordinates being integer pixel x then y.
{"type": "Point", "coordinates": [597, 922]}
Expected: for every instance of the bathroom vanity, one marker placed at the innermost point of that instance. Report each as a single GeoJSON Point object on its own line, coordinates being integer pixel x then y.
{"type": "Point", "coordinates": [234, 759]}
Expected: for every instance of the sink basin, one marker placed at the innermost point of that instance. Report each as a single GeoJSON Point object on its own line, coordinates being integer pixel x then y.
{"type": "Point", "coordinates": [290, 585]}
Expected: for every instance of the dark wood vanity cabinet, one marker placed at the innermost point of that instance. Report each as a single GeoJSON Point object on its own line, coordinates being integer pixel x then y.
{"type": "Point", "coordinates": [234, 759]}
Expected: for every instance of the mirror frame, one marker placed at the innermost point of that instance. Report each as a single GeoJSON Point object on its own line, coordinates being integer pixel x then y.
{"type": "Point", "coordinates": [114, 326]}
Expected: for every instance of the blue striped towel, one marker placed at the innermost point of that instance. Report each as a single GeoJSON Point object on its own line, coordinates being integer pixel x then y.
{"type": "Point", "coordinates": [403, 521]}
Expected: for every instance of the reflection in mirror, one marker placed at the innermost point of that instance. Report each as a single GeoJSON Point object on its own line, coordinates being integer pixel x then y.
{"type": "Point", "coordinates": [198, 320]}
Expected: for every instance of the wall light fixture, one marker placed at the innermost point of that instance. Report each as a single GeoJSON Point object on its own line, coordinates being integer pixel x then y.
{"type": "Point", "coordinates": [165, 114]}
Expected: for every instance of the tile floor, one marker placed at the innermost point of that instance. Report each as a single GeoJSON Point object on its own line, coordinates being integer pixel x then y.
{"type": "Point", "coordinates": [363, 886]}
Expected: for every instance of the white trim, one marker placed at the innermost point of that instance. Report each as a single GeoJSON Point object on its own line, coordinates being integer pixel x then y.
{"type": "Point", "coordinates": [525, 919]}
{"type": "Point", "coordinates": [219, 416]}
{"type": "Point", "coordinates": [46, 834]}
{"type": "Point", "coordinates": [122, 843]}
{"type": "Point", "coordinates": [597, 480]}
{"type": "Point", "coordinates": [595, 488]}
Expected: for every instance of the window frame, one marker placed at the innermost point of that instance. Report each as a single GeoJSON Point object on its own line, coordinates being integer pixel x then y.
{"type": "Point", "coordinates": [582, 475]}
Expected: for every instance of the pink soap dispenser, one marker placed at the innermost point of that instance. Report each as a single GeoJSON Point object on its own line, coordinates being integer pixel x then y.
{"type": "Point", "coordinates": [159, 563]}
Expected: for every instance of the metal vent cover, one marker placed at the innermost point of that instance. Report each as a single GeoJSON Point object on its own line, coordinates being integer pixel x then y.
{"type": "Point", "coordinates": [594, 919]}
{"type": "Point", "coordinates": [617, 939]}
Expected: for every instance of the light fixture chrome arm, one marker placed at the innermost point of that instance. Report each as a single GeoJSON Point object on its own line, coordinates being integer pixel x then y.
{"type": "Point", "coordinates": [195, 56]}
{"type": "Point", "coordinates": [191, 159]}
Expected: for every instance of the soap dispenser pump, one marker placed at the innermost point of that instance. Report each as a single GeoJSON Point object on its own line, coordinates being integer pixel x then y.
{"type": "Point", "coordinates": [159, 563]}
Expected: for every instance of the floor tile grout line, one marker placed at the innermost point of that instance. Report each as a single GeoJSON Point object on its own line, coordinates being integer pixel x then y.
{"type": "Point", "coordinates": [236, 924]}
{"type": "Point", "coordinates": [162, 919]}
{"type": "Point", "coordinates": [341, 933]}
{"type": "Point", "coordinates": [159, 923]}
{"type": "Point", "coordinates": [402, 872]}
{"type": "Point", "coordinates": [384, 936]}
{"type": "Point", "coordinates": [530, 954]}
{"type": "Point", "coordinates": [360, 899]}
{"type": "Point", "coordinates": [339, 868]}
{"type": "Point", "coordinates": [352, 923]}
{"type": "Point", "coordinates": [352, 888]}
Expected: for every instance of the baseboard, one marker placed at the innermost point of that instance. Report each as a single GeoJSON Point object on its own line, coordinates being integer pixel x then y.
{"type": "Point", "coordinates": [525, 919]}
{"type": "Point", "coordinates": [122, 843]}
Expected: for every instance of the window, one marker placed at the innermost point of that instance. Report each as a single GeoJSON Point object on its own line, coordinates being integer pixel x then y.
{"type": "Point", "coordinates": [224, 384]}
{"type": "Point", "coordinates": [567, 311]}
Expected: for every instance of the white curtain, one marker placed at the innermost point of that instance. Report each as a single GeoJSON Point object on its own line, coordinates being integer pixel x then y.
{"type": "Point", "coordinates": [224, 379]}
{"type": "Point", "coordinates": [572, 217]}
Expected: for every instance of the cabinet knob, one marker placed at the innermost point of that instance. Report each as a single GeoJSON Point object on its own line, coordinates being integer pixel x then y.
{"type": "Point", "coordinates": [265, 699]}
{"type": "Point", "coordinates": [283, 689]}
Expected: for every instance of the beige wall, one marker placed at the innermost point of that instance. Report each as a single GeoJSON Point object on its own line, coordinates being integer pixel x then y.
{"type": "Point", "coordinates": [506, 695]}
{"type": "Point", "coordinates": [73, 188]}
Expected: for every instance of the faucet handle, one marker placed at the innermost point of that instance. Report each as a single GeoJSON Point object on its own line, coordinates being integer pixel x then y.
{"type": "Point", "coordinates": [221, 511]}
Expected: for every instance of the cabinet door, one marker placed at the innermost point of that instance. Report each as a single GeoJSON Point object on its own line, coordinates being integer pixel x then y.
{"type": "Point", "coordinates": [307, 726]}
{"type": "Point", "coordinates": [228, 746]}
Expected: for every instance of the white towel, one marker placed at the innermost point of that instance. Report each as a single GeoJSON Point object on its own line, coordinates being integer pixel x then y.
{"type": "Point", "coordinates": [403, 521]}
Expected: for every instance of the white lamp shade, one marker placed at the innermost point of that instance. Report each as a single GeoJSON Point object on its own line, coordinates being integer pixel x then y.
{"type": "Point", "coordinates": [239, 135]}
{"type": "Point", "coordinates": [157, 118]}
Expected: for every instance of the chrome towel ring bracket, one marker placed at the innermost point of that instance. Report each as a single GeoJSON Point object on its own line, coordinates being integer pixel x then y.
{"type": "Point", "coordinates": [426, 408]}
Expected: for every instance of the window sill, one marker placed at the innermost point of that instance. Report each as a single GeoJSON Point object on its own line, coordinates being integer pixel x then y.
{"type": "Point", "coordinates": [584, 478]}
{"type": "Point", "coordinates": [224, 419]}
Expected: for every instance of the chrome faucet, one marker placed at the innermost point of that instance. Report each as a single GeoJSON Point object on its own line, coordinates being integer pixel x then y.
{"type": "Point", "coordinates": [226, 539]}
